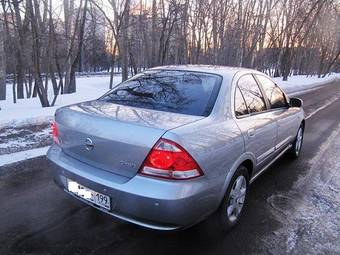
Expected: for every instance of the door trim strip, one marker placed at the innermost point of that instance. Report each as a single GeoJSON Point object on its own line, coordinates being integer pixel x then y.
{"type": "Point", "coordinates": [269, 164]}
{"type": "Point", "coordinates": [277, 146]}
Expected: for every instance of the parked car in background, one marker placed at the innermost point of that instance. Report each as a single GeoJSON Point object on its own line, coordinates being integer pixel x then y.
{"type": "Point", "coordinates": [175, 145]}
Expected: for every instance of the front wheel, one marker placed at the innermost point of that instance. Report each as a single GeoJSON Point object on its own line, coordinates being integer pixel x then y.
{"type": "Point", "coordinates": [297, 145]}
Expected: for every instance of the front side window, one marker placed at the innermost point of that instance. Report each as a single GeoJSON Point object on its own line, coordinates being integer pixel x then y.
{"type": "Point", "coordinates": [184, 92]}
{"type": "Point", "coordinates": [252, 94]}
{"type": "Point", "coordinates": [274, 94]}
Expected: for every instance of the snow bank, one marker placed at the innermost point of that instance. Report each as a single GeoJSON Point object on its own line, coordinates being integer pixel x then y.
{"type": "Point", "coordinates": [29, 111]}
{"type": "Point", "coordinates": [301, 83]}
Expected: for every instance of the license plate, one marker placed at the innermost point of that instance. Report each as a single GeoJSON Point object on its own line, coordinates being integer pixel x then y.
{"type": "Point", "coordinates": [88, 194]}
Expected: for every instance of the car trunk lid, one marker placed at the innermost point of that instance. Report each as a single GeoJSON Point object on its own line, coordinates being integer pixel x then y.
{"type": "Point", "coordinates": [113, 137]}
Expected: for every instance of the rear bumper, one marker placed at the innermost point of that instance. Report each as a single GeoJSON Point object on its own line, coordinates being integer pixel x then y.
{"type": "Point", "coordinates": [149, 202]}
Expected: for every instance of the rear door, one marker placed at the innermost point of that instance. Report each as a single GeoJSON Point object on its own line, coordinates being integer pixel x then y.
{"type": "Point", "coordinates": [254, 120]}
{"type": "Point", "coordinates": [286, 117]}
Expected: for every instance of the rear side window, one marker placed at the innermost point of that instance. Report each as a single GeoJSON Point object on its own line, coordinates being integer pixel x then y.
{"type": "Point", "coordinates": [252, 94]}
{"type": "Point", "coordinates": [192, 93]}
{"type": "Point", "coordinates": [274, 94]}
{"type": "Point", "coordinates": [240, 104]}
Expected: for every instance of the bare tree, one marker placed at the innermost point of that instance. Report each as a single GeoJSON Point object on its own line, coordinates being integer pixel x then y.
{"type": "Point", "coordinates": [74, 41]}
{"type": "Point", "coordinates": [119, 27]}
{"type": "Point", "coordinates": [2, 62]}
{"type": "Point", "coordinates": [123, 37]}
{"type": "Point", "coordinates": [45, 47]}
{"type": "Point", "coordinates": [20, 46]}
{"type": "Point", "coordinates": [34, 17]}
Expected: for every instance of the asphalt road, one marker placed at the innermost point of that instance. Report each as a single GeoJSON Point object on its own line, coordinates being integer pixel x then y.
{"type": "Point", "coordinates": [293, 207]}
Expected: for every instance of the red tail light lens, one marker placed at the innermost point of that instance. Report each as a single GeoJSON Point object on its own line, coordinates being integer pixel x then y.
{"type": "Point", "coordinates": [169, 160]}
{"type": "Point", "coordinates": [55, 132]}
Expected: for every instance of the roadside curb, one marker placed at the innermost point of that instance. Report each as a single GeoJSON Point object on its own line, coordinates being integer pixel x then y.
{"type": "Point", "coordinates": [8, 159]}
{"type": "Point", "coordinates": [18, 167]}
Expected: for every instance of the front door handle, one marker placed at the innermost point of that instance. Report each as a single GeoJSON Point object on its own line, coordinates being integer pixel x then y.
{"type": "Point", "coordinates": [251, 132]}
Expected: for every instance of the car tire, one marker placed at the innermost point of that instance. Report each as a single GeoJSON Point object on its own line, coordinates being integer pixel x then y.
{"type": "Point", "coordinates": [234, 202]}
{"type": "Point", "coordinates": [295, 150]}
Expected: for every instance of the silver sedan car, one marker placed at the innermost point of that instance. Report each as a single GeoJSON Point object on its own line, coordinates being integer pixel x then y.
{"type": "Point", "coordinates": [175, 145]}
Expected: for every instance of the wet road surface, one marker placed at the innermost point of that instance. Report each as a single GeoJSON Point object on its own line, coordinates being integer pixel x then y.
{"type": "Point", "coordinates": [293, 207]}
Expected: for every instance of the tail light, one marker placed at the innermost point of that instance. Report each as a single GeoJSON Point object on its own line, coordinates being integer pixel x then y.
{"type": "Point", "coordinates": [55, 132]}
{"type": "Point", "coordinates": [169, 160]}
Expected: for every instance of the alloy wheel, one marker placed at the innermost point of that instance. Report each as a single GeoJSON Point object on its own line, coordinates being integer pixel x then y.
{"type": "Point", "coordinates": [298, 143]}
{"type": "Point", "coordinates": [236, 198]}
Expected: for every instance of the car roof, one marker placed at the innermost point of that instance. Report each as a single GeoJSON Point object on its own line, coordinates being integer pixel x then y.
{"type": "Point", "coordinates": [213, 69]}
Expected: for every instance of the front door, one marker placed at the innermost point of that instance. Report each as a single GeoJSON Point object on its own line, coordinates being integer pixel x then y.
{"type": "Point", "coordinates": [285, 116]}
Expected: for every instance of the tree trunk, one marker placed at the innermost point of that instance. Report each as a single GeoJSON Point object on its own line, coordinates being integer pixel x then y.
{"type": "Point", "coordinates": [20, 46]}
{"type": "Point", "coordinates": [331, 63]}
{"type": "Point", "coordinates": [14, 90]}
{"type": "Point", "coordinates": [69, 23]}
{"type": "Point", "coordinates": [154, 33]}
{"type": "Point", "coordinates": [113, 64]}
{"type": "Point", "coordinates": [70, 79]}
{"type": "Point", "coordinates": [39, 86]}
{"type": "Point", "coordinates": [2, 62]}
{"type": "Point", "coordinates": [124, 51]}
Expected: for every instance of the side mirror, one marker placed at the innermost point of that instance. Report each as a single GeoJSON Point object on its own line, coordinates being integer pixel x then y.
{"type": "Point", "coordinates": [295, 102]}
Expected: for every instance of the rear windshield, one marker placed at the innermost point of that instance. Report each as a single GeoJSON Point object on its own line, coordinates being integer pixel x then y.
{"type": "Point", "coordinates": [192, 93]}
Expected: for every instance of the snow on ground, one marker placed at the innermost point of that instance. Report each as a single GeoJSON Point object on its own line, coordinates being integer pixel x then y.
{"type": "Point", "coordinates": [314, 222]}
{"type": "Point", "coordinates": [298, 84]}
{"type": "Point", "coordinates": [29, 111]}
{"type": "Point", "coordinates": [24, 138]}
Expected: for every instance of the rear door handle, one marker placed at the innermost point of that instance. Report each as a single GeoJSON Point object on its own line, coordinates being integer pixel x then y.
{"type": "Point", "coordinates": [251, 132]}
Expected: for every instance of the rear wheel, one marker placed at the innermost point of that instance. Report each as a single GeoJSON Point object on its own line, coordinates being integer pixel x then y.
{"type": "Point", "coordinates": [297, 145]}
{"type": "Point", "coordinates": [234, 201]}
